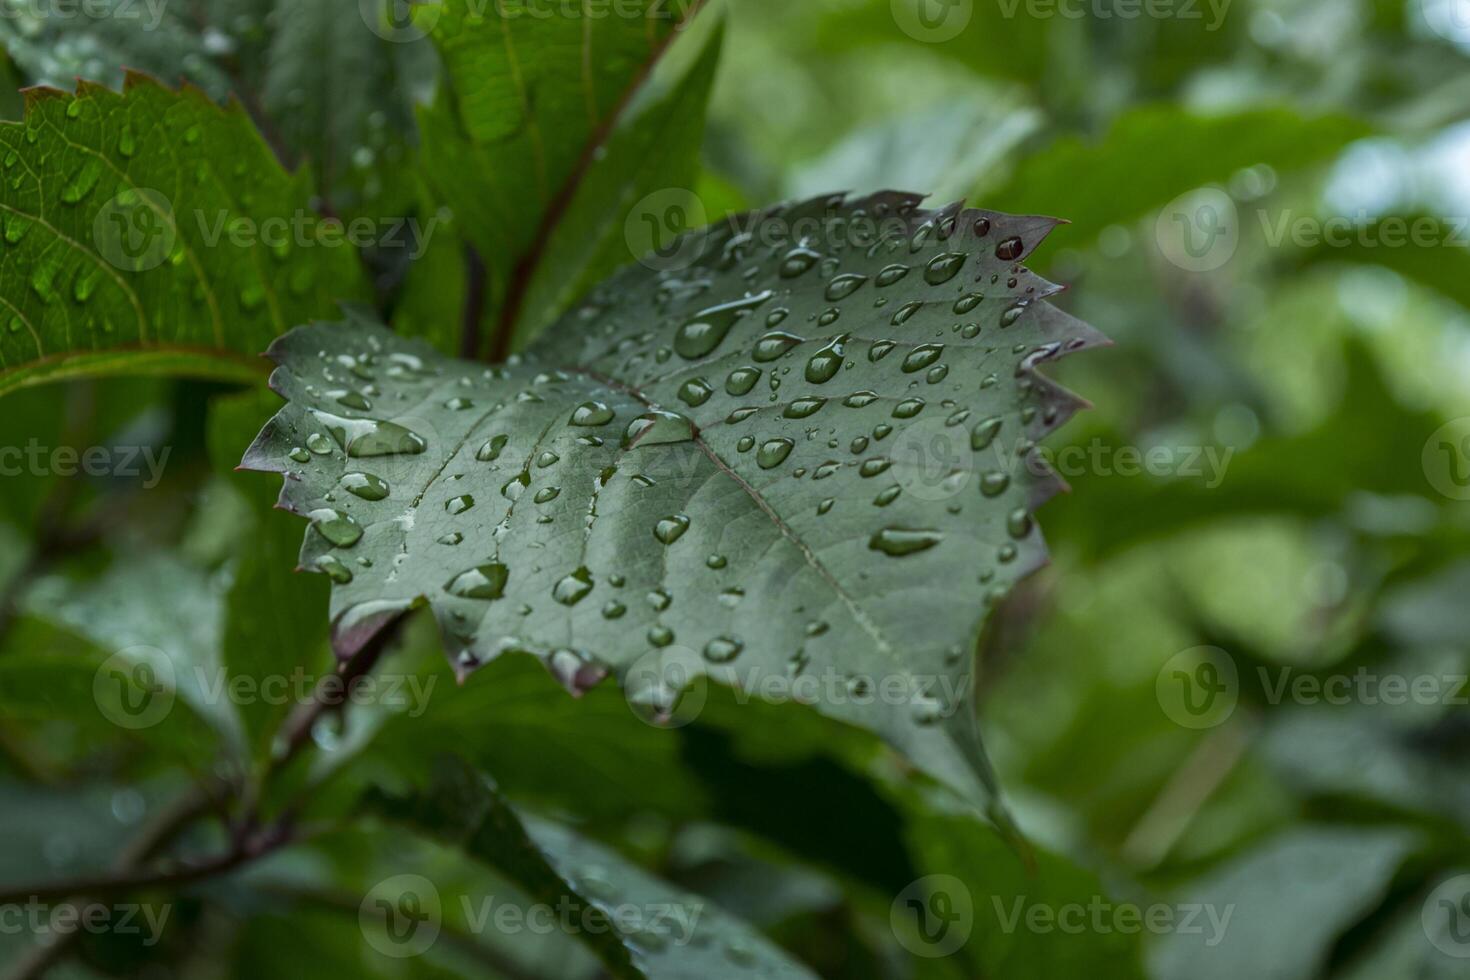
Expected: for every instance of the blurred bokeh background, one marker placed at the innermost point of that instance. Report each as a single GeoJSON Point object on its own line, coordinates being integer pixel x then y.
{"type": "Point", "coordinates": [1270, 207]}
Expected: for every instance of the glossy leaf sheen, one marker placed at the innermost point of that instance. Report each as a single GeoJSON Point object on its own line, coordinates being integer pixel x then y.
{"type": "Point", "coordinates": [116, 249]}
{"type": "Point", "coordinates": [707, 472]}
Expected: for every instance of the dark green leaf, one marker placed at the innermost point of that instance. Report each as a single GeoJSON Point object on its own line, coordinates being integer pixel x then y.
{"type": "Point", "coordinates": [118, 256]}
{"type": "Point", "coordinates": [691, 940]}
{"type": "Point", "coordinates": [818, 471]}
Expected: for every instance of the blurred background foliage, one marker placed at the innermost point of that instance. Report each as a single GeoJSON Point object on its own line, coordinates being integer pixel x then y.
{"type": "Point", "coordinates": [1319, 373]}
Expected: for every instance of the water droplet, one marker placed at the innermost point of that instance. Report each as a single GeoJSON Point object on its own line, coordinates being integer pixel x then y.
{"type": "Point", "coordinates": [967, 303]}
{"type": "Point", "coordinates": [892, 274]}
{"type": "Point", "coordinates": [921, 357]}
{"type": "Point", "coordinates": [460, 504]}
{"type": "Point", "coordinates": [365, 485]}
{"type": "Point", "coordinates": [942, 268]}
{"type": "Point", "coordinates": [902, 314]}
{"type": "Point", "coordinates": [773, 345]}
{"type": "Point", "coordinates": [908, 409]}
{"type": "Point", "coordinates": [705, 331]}
{"type": "Point", "coordinates": [994, 483]}
{"type": "Point", "coordinates": [671, 529]}
{"type": "Point", "coordinates": [574, 588]}
{"type": "Point", "coordinates": [741, 380]}
{"type": "Point", "coordinates": [658, 428]}
{"type": "Point", "coordinates": [1018, 523]}
{"type": "Point", "coordinates": [547, 494]}
{"type": "Point", "coordinates": [695, 392]}
{"type": "Point", "coordinates": [804, 408]}
{"type": "Point", "coordinates": [481, 582]}
{"type": "Point", "coordinates": [337, 527]}
{"type": "Point", "coordinates": [860, 399]}
{"type": "Point", "coordinates": [773, 453]}
{"type": "Point", "coordinates": [490, 452]}
{"type": "Point", "coordinates": [825, 363]}
{"type": "Point", "coordinates": [592, 414]}
{"type": "Point", "coordinates": [797, 261]}
{"type": "Point", "coordinates": [1009, 249]}
{"type": "Point", "coordinates": [334, 569]}
{"type": "Point", "coordinates": [984, 433]}
{"type": "Point", "coordinates": [844, 286]}
{"type": "Point", "coordinates": [722, 650]}
{"type": "Point", "coordinates": [898, 542]}
{"type": "Point", "coordinates": [873, 467]}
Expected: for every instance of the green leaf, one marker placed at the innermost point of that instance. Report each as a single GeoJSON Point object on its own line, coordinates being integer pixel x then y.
{"type": "Point", "coordinates": [1287, 901]}
{"type": "Point", "coordinates": [340, 93]}
{"type": "Point", "coordinates": [1127, 176]}
{"type": "Point", "coordinates": [793, 459]}
{"type": "Point", "coordinates": [162, 643]}
{"type": "Point", "coordinates": [528, 106]}
{"type": "Point", "coordinates": [555, 866]}
{"type": "Point", "coordinates": [1432, 252]}
{"type": "Point", "coordinates": [273, 626]}
{"type": "Point", "coordinates": [136, 239]}
{"type": "Point", "coordinates": [656, 151]}
{"type": "Point", "coordinates": [101, 39]}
